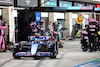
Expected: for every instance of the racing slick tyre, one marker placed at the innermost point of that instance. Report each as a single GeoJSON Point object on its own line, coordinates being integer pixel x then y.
{"type": "Point", "coordinates": [57, 46]}
{"type": "Point", "coordinates": [16, 57]}
{"type": "Point", "coordinates": [55, 52]}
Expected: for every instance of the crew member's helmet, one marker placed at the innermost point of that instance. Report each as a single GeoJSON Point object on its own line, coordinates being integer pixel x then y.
{"type": "Point", "coordinates": [59, 22]}
{"type": "Point", "coordinates": [2, 23]}
{"type": "Point", "coordinates": [96, 21]}
{"type": "Point", "coordinates": [32, 25]}
{"type": "Point", "coordinates": [91, 20]}
{"type": "Point", "coordinates": [41, 22]}
{"type": "Point", "coordinates": [54, 23]}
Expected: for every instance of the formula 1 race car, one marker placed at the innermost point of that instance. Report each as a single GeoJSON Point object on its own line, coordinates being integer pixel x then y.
{"type": "Point", "coordinates": [37, 46]}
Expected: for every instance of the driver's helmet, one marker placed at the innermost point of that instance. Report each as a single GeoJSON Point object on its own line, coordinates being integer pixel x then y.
{"type": "Point", "coordinates": [41, 22]}
{"type": "Point", "coordinates": [37, 34]}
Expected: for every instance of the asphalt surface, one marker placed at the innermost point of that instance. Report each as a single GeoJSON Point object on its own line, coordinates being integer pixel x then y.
{"type": "Point", "coordinates": [69, 56]}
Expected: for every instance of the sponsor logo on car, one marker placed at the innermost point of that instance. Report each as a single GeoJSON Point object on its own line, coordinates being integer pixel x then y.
{"type": "Point", "coordinates": [23, 54]}
{"type": "Point", "coordinates": [44, 54]}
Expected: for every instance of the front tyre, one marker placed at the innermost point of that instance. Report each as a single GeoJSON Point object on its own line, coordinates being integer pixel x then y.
{"type": "Point", "coordinates": [16, 57]}
{"type": "Point", "coordinates": [55, 52]}
{"type": "Point", "coordinates": [54, 55]}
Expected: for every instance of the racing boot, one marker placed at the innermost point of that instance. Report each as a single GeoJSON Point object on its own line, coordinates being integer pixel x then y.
{"type": "Point", "coordinates": [90, 48]}
{"type": "Point", "coordinates": [4, 51]}
{"type": "Point", "coordinates": [60, 45]}
{"type": "Point", "coordinates": [95, 47]}
{"type": "Point", "coordinates": [0, 50]}
{"type": "Point", "coordinates": [90, 51]}
{"type": "Point", "coordinates": [99, 47]}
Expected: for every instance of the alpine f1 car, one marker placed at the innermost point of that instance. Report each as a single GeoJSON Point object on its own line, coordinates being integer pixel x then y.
{"type": "Point", "coordinates": [37, 46]}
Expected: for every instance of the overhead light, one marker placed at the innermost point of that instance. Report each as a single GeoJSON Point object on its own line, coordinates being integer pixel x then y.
{"type": "Point", "coordinates": [96, 0]}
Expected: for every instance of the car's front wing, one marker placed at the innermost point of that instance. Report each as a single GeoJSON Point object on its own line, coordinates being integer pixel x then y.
{"type": "Point", "coordinates": [25, 54]}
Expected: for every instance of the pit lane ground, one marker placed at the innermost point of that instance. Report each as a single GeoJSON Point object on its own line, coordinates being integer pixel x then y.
{"type": "Point", "coordinates": [69, 56]}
